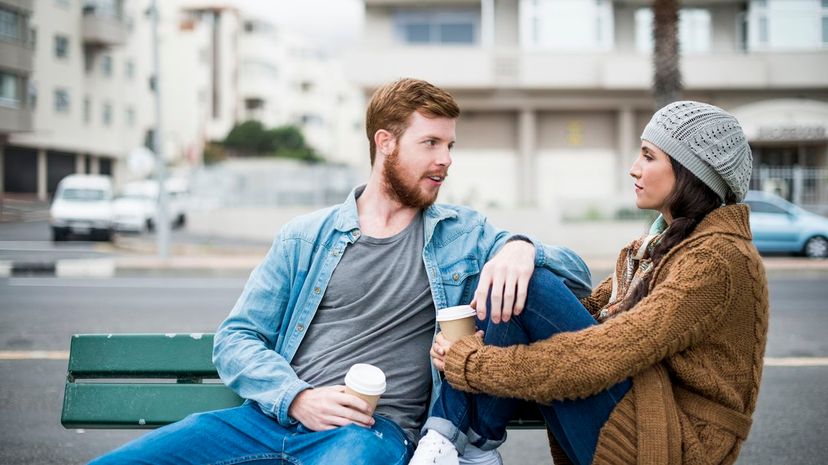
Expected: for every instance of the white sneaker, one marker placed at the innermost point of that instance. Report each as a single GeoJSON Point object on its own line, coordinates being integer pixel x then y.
{"type": "Point", "coordinates": [474, 456]}
{"type": "Point", "coordinates": [434, 449]}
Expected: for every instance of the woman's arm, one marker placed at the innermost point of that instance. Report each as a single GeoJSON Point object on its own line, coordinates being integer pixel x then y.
{"type": "Point", "coordinates": [691, 300]}
{"type": "Point", "coordinates": [600, 296]}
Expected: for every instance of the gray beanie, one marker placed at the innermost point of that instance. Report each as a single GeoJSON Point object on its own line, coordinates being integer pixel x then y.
{"type": "Point", "coordinates": [706, 140]}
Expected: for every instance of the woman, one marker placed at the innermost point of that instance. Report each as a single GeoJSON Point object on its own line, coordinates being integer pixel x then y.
{"type": "Point", "coordinates": [662, 363]}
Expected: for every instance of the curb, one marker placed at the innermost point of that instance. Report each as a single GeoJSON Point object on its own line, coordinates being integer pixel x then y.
{"type": "Point", "coordinates": [75, 268]}
{"type": "Point", "coordinates": [244, 264]}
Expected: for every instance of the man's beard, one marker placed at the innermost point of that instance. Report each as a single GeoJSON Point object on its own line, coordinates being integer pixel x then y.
{"type": "Point", "coordinates": [396, 185]}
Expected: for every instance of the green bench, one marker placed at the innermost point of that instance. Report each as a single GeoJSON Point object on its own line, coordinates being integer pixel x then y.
{"type": "Point", "coordinates": [125, 381]}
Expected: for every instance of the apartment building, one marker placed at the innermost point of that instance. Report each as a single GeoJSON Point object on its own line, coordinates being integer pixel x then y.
{"type": "Point", "coordinates": [286, 79]}
{"type": "Point", "coordinates": [555, 93]}
{"type": "Point", "coordinates": [76, 82]}
{"type": "Point", "coordinates": [85, 93]}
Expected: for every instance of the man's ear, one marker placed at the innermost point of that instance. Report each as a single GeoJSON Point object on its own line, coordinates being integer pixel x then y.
{"type": "Point", "coordinates": [385, 142]}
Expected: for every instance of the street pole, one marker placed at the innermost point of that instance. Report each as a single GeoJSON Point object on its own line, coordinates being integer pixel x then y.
{"type": "Point", "coordinates": [162, 226]}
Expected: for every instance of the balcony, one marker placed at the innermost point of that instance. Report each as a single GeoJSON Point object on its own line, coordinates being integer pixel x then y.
{"type": "Point", "coordinates": [16, 56]}
{"type": "Point", "coordinates": [479, 68]}
{"type": "Point", "coordinates": [102, 27]}
{"type": "Point", "coordinates": [14, 119]}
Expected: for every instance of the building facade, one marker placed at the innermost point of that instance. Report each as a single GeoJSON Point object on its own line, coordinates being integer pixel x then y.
{"type": "Point", "coordinates": [76, 81]}
{"type": "Point", "coordinates": [555, 93]}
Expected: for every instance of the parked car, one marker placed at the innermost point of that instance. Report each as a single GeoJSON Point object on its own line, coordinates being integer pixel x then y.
{"type": "Point", "coordinates": [782, 227]}
{"type": "Point", "coordinates": [135, 208]}
{"type": "Point", "coordinates": [82, 206]}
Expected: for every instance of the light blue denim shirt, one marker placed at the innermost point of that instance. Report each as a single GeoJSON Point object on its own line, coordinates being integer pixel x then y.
{"type": "Point", "coordinates": [255, 344]}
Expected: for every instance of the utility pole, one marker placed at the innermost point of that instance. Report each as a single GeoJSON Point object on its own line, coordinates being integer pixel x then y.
{"type": "Point", "coordinates": [162, 226]}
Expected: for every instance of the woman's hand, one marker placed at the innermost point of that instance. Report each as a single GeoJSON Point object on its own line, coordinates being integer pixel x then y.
{"type": "Point", "coordinates": [440, 348]}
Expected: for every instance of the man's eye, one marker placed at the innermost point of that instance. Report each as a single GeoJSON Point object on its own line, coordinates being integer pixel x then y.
{"type": "Point", "coordinates": [431, 143]}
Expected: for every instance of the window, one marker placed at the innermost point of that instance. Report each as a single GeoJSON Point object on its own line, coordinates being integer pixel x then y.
{"type": "Point", "coordinates": [87, 110]}
{"type": "Point", "coordinates": [763, 30]}
{"type": "Point", "coordinates": [695, 30]}
{"type": "Point", "coordinates": [61, 101]}
{"type": "Point", "coordinates": [566, 24]}
{"type": "Point", "coordinates": [129, 69]}
{"type": "Point", "coordinates": [10, 22]}
{"type": "Point", "coordinates": [107, 114]}
{"type": "Point", "coordinates": [106, 65]}
{"type": "Point", "coordinates": [61, 46]}
{"type": "Point", "coordinates": [32, 89]}
{"type": "Point", "coordinates": [765, 207]}
{"type": "Point", "coordinates": [9, 90]}
{"type": "Point", "coordinates": [437, 26]}
{"type": "Point", "coordinates": [825, 30]}
{"type": "Point", "coordinates": [130, 116]}
{"type": "Point", "coordinates": [32, 38]}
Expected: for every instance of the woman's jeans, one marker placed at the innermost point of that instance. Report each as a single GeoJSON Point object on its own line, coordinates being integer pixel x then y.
{"type": "Point", "coordinates": [481, 419]}
{"type": "Point", "coordinates": [246, 435]}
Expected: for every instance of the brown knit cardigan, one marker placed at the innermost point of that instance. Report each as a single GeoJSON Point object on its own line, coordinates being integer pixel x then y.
{"type": "Point", "coordinates": [693, 347]}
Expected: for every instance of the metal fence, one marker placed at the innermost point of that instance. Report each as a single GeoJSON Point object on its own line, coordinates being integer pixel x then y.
{"type": "Point", "coordinates": [806, 187]}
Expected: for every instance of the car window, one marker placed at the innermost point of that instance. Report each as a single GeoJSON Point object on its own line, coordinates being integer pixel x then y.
{"type": "Point", "coordinates": [84, 195]}
{"type": "Point", "coordinates": [765, 207]}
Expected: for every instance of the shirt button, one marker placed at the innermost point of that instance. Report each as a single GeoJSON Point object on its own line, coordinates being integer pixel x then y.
{"type": "Point", "coordinates": [455, 277]}
{"type": "Point", "coordinates": [316, 290]}
{"type": "Point", "coordinates": [335, 253]}
{"type": "Point", "coordinates": [603, 313]}
{"type": "Point", "coordinates": [300, 327]}
{"type": "Point", "coordinates": [357, 234]}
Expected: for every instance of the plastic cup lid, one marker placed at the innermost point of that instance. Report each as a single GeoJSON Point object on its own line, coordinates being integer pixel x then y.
{"type": "Point", "coordinates": [366, 379]}
{"type": "Point", "coordinates": [455, 313]}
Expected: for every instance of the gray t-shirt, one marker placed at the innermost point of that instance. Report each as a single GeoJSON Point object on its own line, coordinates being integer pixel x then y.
{"type": "Point", "coordinates": [377, 309]}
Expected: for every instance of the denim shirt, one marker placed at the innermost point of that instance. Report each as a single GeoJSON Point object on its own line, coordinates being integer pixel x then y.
{"type": "Point", "coordinates": [256, 342]}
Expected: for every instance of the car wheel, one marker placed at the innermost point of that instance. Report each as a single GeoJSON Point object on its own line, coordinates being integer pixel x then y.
{"type": "Point", "coordinates": [816, 247]}
{"type": "Point", "coordinates": [58, 235]}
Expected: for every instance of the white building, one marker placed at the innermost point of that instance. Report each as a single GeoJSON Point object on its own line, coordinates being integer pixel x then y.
{"type": "Point", "coordinates": [85, 92]}
{"type": "Point", "coordinates": [554, 93]}
{"type": "Point", "coordinates": [76, 76]}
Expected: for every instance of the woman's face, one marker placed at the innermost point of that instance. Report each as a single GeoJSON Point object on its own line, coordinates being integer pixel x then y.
{"type": "Point", "coordinates": [654, 179]}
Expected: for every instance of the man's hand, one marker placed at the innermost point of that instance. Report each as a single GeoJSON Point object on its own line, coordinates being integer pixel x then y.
{"type": "Point", "coordinates": [508, 275]}
{"type": "Point", "coordinates": [328, 407]}
{"type": "Point", "coordinates": [440, 348]}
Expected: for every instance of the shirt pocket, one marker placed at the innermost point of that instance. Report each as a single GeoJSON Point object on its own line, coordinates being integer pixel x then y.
{"type": "Point", "coordinates": [459, 279]}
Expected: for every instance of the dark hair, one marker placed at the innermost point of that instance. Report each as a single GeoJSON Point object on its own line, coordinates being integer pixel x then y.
{"type": "Point", "coordinates": [690, 201]}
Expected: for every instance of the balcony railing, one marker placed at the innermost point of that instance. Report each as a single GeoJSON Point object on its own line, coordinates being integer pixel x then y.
{"type": "Point", "coordinates": [476, 67]}
{"type": "Point", "coordinates": [103, 24]}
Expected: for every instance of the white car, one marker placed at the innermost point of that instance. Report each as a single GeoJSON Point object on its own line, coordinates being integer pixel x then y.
{"type": "Point", "coordinates": [135, 208]}
{"type": "Point", "coordinates": [82, 206]}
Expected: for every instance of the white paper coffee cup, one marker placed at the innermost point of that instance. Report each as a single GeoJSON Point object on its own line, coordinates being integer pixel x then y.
{"type": "Point", "coordinates": [365, 381]}
{"type": "Point", "coordinates": [457, 322]}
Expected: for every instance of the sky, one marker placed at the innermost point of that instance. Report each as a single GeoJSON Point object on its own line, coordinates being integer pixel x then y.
{"type": "Point", "coordinates": [332, 24]}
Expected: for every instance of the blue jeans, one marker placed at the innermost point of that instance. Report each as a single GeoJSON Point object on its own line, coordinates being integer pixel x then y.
{"type": "Point", "coordinates": [481, 419]}
{"type": "Point", "coordinates": [246, 435]}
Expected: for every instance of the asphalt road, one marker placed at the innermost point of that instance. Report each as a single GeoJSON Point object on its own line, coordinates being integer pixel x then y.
{"type": "Point", "coordinates": [42, 313]}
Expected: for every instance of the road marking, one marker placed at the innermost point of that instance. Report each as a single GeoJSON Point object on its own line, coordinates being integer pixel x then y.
{"type": "Point", "coordinates": [64, 355]}
{"type": "Point", "coordinates": [796, 361]}
{"type": "Point", "coordinates": [34, 355]}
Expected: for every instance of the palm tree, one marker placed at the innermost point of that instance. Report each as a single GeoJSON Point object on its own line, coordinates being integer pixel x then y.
{"type": "Point", "coordinates": [667, 75]}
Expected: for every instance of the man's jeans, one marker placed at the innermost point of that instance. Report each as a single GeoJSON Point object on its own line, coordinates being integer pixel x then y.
{"type": "Point", "coordinates": [481, 419]}
{"type": "Point", "coordinates": [246, 435]}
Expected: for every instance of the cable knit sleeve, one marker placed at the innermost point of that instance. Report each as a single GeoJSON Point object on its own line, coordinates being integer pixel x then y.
{"type": "Point", "coordinates": [680, 310]}
{"type": "Point", "coordinates": [599, 297]}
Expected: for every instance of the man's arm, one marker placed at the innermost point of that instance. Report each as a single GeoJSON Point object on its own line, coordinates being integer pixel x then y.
{"type": "Point", "coordinates": [243, 352]}
{"type": "Point", "coordinates": [245, 358]}
{"type": "Point", "coordinates": [511, 260]}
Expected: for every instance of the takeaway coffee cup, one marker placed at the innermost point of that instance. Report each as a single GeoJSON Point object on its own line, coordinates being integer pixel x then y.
{"type": "Point", "coordinates": [456, 322]}
{"type": "Point", "coordinates": [366, 382]}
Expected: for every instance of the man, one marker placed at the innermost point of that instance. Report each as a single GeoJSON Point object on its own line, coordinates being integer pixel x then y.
{"type": "Point", "coordinates": [357, 283]}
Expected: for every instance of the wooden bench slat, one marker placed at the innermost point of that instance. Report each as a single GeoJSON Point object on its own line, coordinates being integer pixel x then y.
{"type": "Point", "coordinates": [137, 406]}
{"type": "Point", "coordinates": [142, 355]}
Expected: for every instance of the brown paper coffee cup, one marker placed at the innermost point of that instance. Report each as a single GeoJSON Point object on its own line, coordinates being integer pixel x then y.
{"type": "Point", "coordinates": [457, 322]}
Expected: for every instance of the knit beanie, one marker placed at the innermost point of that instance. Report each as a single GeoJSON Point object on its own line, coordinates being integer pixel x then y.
{"type": "Point", "coordinates": [706, 140]}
